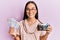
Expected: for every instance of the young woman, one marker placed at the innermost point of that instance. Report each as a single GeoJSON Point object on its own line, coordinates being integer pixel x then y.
{"type": "Point", "coordinates": [28, 26]}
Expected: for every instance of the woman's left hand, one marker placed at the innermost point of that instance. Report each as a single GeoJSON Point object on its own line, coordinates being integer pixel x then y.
{"type": "Point", "coordinates": [49, 29]}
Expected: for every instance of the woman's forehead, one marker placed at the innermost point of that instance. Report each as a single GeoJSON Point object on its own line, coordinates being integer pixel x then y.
{"type": "Point", "coordinates": [31, 5]}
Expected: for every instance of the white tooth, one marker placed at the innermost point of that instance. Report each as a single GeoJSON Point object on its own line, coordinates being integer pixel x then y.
{"type": "Point", "coordinates": [31, 14]}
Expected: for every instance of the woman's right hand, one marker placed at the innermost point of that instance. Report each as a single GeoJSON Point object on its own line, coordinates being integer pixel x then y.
{"type": "Point", "coordinates": [14, 35]}
{"type": "Point", "coordinates": [11, 31]}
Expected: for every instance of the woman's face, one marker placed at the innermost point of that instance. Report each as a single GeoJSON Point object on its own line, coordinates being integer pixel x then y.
{"type": "Point", "coordinates": [31, 10]}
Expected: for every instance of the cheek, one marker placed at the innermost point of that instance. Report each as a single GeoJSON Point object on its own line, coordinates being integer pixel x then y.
{"type": "Point", "coordinates": [35, 12]}
{"type": "Point", "coordinates": [27, 13]}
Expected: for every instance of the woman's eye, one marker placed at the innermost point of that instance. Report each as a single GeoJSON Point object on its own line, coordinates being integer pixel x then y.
{"type": "Point", "coordinates": [30, 9]}
{"type": "Point", "coordinates": [27, 9]}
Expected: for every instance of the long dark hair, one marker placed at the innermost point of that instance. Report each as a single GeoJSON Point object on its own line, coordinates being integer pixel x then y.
{"type": "Point", "coordinates": [25, 15]}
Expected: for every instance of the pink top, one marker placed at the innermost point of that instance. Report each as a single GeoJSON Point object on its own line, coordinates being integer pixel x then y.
{"type": "Point", "coordinates": [30, 32]}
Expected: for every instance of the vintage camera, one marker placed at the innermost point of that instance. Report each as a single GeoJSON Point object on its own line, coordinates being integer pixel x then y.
{"type": "Point", "coordinates": [42, 27]}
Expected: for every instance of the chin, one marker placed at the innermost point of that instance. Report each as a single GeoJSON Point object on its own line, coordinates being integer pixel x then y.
{"type": "Point", "coordinates": [31, 17]}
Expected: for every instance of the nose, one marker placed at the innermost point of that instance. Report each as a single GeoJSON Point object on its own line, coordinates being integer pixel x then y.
{"type": "Point", "coordinates": [30, 11]}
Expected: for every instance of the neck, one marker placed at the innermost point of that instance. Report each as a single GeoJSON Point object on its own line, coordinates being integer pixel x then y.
{"type": "Point", "coordinates": [31, 19]}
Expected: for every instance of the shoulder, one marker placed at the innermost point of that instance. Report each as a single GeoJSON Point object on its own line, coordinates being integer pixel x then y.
{"type": "Point", "coordinates": [20, 22]}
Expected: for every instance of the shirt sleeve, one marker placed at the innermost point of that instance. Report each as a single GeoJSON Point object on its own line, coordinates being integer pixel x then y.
{"type": "Point", "coordinates": [20, 27]}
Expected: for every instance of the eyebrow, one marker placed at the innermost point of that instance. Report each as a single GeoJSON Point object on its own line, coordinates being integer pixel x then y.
{"type": "Point", "coordinates": [32, 7]}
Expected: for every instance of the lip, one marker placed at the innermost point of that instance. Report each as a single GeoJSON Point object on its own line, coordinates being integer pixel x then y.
{"type": "Point", "coordinates": [31, 14]}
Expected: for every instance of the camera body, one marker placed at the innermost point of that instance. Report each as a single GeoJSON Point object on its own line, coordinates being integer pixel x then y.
{"type": "Point", "coordinates": [42, 27]}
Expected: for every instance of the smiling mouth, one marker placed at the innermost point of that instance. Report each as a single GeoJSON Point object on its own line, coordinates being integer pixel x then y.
{"type": "Point", "coordinates": [31, 14]}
